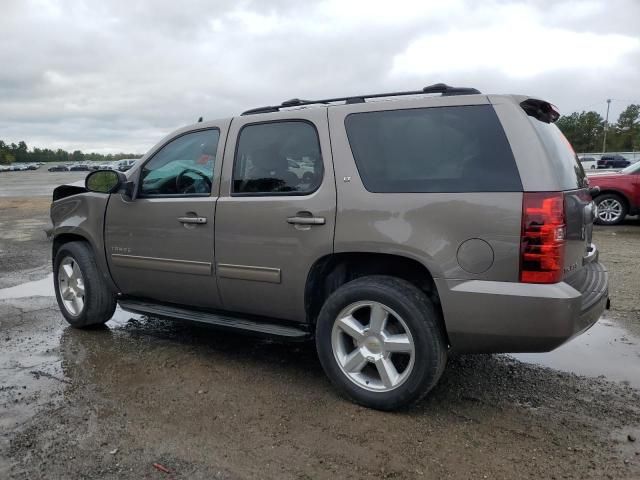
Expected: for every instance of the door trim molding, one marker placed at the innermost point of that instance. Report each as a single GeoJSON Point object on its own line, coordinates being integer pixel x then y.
{"type": "Point", "coordinates": [249, 272]}
{"type": "Point", "coordinates": [162, 264]}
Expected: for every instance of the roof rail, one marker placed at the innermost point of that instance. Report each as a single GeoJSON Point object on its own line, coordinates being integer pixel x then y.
{"type": "Point", "coordinates": [441, 88]}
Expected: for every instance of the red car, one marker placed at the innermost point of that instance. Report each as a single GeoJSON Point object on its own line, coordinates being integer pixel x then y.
{"type": "Point", "coordinates": [619, 194]}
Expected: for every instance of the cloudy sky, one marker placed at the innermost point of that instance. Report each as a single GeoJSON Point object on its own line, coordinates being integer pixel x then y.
{"type": "Point", "coordinates": [116, 75]}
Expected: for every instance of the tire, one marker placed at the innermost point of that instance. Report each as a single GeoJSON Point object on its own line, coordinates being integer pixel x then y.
{"type": "Point", "coordinates": [356, 367]}
{"type": "Point", "coordinates": [612, 209]}
{"type": "Point", "coordinates": [98, 302]}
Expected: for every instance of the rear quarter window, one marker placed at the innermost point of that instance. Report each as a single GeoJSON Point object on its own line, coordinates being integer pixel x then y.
{"type": "Point", "coordinates": [439, 149]}
{"type": "Point", "coordinates": [566, 164]}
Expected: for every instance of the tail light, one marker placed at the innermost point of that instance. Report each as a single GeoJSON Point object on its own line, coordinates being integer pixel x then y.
{"type": "Point", "coordinates": [542, 240]}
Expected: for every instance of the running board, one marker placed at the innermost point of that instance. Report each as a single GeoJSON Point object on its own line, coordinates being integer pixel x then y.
{"type": "Point", "coordinates": [248, 323]}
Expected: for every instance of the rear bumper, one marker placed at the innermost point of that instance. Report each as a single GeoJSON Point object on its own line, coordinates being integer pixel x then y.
{"type": "Point", "coordinates": [500, 317]}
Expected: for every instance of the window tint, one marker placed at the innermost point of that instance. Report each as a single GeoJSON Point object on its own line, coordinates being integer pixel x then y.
{"type": "Point", "coordinates": [443, 149]}
{"type": "Point", "coordinates": [566, 165]}
{"type": "Point", "coordinates": [278, 158]}
{"type": "Point", "coordinates": [182, 167]}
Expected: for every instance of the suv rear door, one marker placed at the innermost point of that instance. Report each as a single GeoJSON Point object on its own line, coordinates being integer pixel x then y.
{"type": "Point", "coordinates": [276, 213]}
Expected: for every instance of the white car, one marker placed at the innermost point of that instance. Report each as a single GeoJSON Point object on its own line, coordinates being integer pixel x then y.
{"type": "Point", "coordinates": [588, 163]}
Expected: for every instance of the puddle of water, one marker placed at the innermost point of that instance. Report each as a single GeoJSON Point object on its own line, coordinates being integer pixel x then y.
{"type": "Point", "coordinates": [31, 373]}
{"type": "Point", "coordinates": [39, 288]}
{"type": "Point", "coordinates": [121, 318]}
{"type": "Point", "coordinates": [44, 288]}
{"type": "Point", "coordinates": [607, 349]}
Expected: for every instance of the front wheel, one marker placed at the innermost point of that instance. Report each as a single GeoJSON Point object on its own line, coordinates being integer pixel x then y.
{"type": "Point", "coordinates": [83, 296]}
{"type": "Point", "coordinates": [612, 209]}
{"type": "Point", "coordinates": [380, 342]}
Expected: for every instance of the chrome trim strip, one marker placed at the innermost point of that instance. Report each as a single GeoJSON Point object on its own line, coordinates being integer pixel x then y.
{"type": "Point", "coordinates": [162, 264]}
{"type": "Point", "coordinates": [249, 272]}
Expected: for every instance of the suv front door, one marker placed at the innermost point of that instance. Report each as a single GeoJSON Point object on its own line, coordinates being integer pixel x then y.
{"type": "Point", "coordinates": [160, 246]}
{"type": "Point", "coordinates": [276, 212]}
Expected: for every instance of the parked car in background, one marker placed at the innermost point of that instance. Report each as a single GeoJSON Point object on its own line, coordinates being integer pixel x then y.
{"type": "Point", "coordinates": [613, 161]}
{"type": "Point", "coordinates": [588, 163]}
{"type": "Point", "coordinates": [392, 232]}
{"type": "Point", "coordinates": [79, 168]}
{"type": "Point", "coordinates": [124, 165]}
{"type": "Point", "coordinates": [619, 194]}
{"type": "Point", "coordinates": [33, 166]}
{"type": "Point", "coordinates": [58, 168]}
{"type": "Point", "coordinates": [19, 167]}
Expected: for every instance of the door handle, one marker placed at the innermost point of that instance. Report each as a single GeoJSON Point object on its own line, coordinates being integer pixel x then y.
{"type": "Point", "coordinates": [299, 220]}
{"type": "Point", "coordinates": [198, 220]}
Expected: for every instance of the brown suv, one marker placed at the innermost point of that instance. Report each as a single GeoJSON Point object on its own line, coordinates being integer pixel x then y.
{"type": "Point", "coordinates": [392, 228]}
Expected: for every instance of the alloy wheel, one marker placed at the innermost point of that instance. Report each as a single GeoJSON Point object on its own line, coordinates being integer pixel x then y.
{"type": "Point", "coordinates": [71, 286]}
{"type": "Point", "coordinates": [609, 210]}
{"type": "Point", "coordinates": [373, 346]}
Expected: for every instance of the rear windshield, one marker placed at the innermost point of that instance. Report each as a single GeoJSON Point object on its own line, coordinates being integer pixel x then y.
{"type": "Point", "coordinates": [566, 165]}
{"type": "Point", "coordinates": [439, 149]}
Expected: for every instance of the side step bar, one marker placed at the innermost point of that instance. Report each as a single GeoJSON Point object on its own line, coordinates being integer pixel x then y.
{"type": "Point", "coordinates": [258, 325]}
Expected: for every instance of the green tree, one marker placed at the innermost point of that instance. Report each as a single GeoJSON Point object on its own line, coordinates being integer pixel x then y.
{"type": "Point", "coordinates": [6, 158]}
{"type": "Point", "coordinates": [626, 131]}
{"type": "Point", "coordinates": [77, 156]}
{"type": "Point", "coordinates": [62, 156]}
{"type": "Point", "coordinates": [21, 152]}
{"type": "Point", "coordinates": [584, 130]}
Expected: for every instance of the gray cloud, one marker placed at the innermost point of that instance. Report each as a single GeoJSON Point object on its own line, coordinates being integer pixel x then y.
{"type": "Point", "coordinates": [118, 75]}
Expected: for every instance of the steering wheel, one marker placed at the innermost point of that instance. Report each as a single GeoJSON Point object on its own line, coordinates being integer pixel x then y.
{"type": "Point", "coordinates": [181, 188]}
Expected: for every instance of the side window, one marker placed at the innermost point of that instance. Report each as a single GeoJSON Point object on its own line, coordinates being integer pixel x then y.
{"type": "Point", "coordinates": [277, 158]}
{"type": "Point", "coordinates": [439, 149]}
{"type": "Point", "coordinates": [184, 166]}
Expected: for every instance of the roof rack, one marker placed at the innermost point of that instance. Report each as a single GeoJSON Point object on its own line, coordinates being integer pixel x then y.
{"type": "Point", "coordinates": [445, 90]}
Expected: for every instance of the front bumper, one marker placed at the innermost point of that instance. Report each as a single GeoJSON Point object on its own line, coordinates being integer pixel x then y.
{"type": "Point", "coordinates": [501, 317]}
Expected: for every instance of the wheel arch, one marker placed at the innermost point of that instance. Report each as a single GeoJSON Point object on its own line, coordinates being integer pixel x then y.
{"type": "Point", "coordinates": [63, 238]}
{"type": "Point", "coordinates": [611, 191]}
{"type": "Point", "coordinates": [331, 271]}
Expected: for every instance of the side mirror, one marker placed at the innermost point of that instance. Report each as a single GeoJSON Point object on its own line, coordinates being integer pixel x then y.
{"type": "Point", "coordinates": [104, 181]}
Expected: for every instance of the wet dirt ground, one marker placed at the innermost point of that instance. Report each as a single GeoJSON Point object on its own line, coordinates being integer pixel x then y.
{"type": "Point", "coordinates": [112, 402]}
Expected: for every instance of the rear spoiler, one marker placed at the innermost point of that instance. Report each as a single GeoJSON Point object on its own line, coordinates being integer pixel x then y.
{"type": "Point", "coordinates": [540, 110]}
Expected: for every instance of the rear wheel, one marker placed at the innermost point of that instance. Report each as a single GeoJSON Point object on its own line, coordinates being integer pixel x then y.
{"type": "Point", "coordinates": [83, 296]}
{"type": "Point", "coordinates": [380, 342]}
{"type": "Point", "coordinates": [612, 209]}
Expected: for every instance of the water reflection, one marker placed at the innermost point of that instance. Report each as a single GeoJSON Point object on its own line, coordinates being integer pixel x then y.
{"type": "Point", "coordinates": [38, 288]}
{"type": "Point", "coordinates": [607, 349]}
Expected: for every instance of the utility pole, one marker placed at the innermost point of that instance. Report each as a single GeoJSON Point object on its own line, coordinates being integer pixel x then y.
{"type": "Point", "coordinates": [606, 127]}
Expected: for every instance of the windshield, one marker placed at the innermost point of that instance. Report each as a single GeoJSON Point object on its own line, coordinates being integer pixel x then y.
{"type": "Point", "coordinates": [633, 168]}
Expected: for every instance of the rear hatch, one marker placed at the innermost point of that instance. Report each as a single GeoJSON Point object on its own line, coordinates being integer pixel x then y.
{"type": "Point", "coordinates": [579, 208]}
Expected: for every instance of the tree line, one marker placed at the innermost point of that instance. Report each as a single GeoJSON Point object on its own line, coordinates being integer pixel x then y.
{"type": "Point", "coordinates": [20, 152]}
{"type": "Point", "coordinates": [585, 131]}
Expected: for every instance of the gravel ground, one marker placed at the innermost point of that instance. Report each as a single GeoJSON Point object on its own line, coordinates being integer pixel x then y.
{"type": "Point", "coordinates": [112, 402]}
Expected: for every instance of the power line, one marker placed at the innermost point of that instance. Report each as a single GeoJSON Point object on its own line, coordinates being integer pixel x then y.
{"type": "Point", "coordinates": [626, 101]}
{"type": "Point", "coordinates": [602, 102]}
{"type": "Point", "coordinates": [589, 106]}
